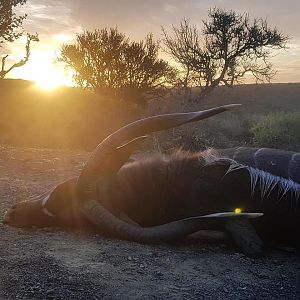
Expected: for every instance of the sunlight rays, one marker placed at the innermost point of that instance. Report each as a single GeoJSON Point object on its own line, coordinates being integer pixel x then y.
{"type": "Point", "coordinates": [43, 70]}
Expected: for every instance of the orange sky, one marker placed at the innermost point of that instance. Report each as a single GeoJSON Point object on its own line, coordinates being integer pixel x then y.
{"type": "Point", "coordinates": [58, 22]}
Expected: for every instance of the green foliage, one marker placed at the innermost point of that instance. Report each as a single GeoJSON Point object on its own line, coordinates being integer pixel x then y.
{"type": "Point", "coordinates": [109, 63]}
{"type": "Point", "coordinates": [278, 130]}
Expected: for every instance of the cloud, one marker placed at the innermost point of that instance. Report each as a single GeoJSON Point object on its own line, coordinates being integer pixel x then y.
{"type": "Point", "coordinates": [49, 17]}
{"type": "Point", "coordinates": [135, 17]}
{"type": "Point", "coordinates": [138, 16]}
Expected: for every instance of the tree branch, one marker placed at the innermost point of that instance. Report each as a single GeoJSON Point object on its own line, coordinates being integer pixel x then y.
{"type": "Point", "coordinates": [21, 62]}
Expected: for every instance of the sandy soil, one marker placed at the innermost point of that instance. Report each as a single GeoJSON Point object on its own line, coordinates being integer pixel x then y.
{"type": "Point", "coordinates": [53, 264]}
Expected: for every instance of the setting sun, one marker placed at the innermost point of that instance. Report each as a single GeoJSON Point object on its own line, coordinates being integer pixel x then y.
{"type": "Point", "coordinates": [48, 85]}
{"type": "Point", "coordinates": [49, 80]}
{"type": "Point", "coordinates": [43, 70]}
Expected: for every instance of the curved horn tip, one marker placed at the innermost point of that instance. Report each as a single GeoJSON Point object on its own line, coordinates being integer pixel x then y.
{"type": "Point", "coordinates": [230, 106]}
{"type": "Point", "coordinates": [136, 140]}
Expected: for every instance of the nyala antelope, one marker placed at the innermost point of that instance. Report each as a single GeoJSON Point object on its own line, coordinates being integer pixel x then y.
{"type": "Point", "coordinates": [162, 198]}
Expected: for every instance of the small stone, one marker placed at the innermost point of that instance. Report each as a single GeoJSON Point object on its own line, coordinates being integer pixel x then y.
{"type": "Point", "coordinates": [159, 273]}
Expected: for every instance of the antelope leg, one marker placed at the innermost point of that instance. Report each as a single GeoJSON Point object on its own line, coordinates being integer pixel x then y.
{"type": "Point", "coordinates": [245, 236]}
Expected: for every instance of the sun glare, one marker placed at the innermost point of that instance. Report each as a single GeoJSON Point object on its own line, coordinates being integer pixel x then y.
{"type": "Point", "coordinates": [47, 74]}
{"type": "Point", "coordinates": [48, 82]}
{"type": "Point", "coordinates": [50, 76]}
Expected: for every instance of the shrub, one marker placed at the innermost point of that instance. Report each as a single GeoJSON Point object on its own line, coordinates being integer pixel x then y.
{"type": "Point", "coordinates": [112, 65]}
{"type": "Point", "coordinates": [278, 130]}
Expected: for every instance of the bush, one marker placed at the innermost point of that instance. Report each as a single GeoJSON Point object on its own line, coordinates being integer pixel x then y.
{"type": "Point", "coordinates": [278, 130]}
{"type": "Point", "coordinates": [109, 63]}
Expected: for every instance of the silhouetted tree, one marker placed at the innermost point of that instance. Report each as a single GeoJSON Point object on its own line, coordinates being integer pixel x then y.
{"type": "Point", "coordinates": [109, 63]}
{"type": "Point", "coordinates": [10, 23]}
{"type": "Point", "coordinates": [229, 47]}
{"type": "Point", "coordinates": [21, 62]}
{"type": "Point", "coordinates": [10, 30]}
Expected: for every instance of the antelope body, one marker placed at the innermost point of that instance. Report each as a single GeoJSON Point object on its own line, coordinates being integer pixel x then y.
{"type": "Point", "coordinates": [162, 198]}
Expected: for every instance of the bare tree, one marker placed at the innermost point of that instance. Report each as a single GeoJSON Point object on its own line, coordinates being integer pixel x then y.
{"type": "Point", "coordinates": [10, 30]}
{"type": "Point", "coordinates": [109, 63]}
{"type": "Point", "coordinates": [21, 62]}
{"type": "Point", "coordinates": [180, 47]}
{"type": "Point", "coordinates": [229, 47]}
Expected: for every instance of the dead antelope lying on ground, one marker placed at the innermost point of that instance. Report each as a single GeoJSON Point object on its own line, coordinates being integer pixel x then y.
{"type": "Point", "coordinates": [160, 198]}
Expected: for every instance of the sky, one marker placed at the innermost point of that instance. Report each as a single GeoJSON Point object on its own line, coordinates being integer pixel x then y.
{"type": "Point", "coordinates": [58, 22]}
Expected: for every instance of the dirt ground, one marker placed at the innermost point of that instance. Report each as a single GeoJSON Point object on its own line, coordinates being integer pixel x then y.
{"type": "Point", "coordinates": [54, 264]}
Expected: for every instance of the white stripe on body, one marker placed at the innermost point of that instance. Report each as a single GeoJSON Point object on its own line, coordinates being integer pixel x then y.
{"type": "Point", "coordinates": [255, 154]}
{"type": "Point", "coordinates": [266, 182]}
{"type": "Point", "coordinates": [291, 160]}
{"type": "Point", "coordinates": [44, 208]}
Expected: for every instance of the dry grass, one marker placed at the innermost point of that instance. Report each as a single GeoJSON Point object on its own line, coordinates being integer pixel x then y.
{"type": "Point", "coordinates": [71, 118]}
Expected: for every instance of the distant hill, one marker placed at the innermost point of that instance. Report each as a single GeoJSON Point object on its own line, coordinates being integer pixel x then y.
{"type": "Point", "coordinates": [73, 118]}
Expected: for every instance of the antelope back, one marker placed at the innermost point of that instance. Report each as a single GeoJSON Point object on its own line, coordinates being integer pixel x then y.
{"type": "Point", "coordinates": [282, 163]}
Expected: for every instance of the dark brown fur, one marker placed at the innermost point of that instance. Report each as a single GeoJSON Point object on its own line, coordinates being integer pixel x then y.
{"type": "Point", "coordinates": [159, 189]}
